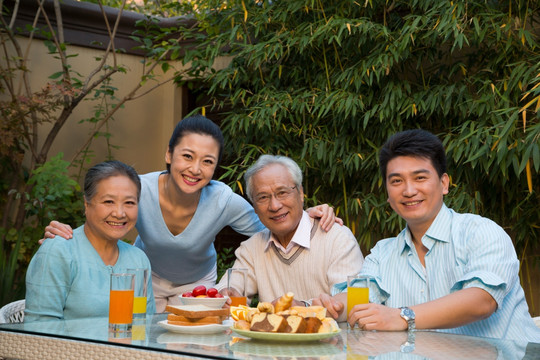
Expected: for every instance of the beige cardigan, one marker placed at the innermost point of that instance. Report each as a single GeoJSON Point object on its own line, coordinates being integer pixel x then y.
{"type": "Point", "coordinates": [307, 273]}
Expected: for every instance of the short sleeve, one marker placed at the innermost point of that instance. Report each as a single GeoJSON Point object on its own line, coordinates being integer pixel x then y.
{"type": "Point", "coordinates": [489, 259]}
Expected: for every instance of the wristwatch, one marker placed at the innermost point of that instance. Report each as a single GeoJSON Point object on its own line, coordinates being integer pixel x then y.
{"type": "Point", "coordinates": [408, 346]}
{"type": "Point", "coordinates": [408, 315]}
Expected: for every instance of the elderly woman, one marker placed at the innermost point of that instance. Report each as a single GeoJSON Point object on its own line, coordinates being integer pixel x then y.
{"type": "Point", "coordinates": [70, 279]}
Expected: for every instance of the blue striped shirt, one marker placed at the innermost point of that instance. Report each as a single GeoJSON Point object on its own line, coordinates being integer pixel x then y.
{"type": "Point", "coordinates": [464, 251]}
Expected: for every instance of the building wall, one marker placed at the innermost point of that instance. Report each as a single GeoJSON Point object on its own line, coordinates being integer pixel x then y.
{"type": "Point", "coordinates": [141, 128]}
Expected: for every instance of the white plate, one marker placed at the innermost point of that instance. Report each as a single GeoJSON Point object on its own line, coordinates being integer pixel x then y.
{"type": "Point", "coordinates": [216, 303]}
{"type": "Point", "coordinates": [197, 329]}
{"type": "Point", "coordinates": [269, 336]}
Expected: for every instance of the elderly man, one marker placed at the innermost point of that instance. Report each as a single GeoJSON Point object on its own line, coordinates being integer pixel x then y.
{"type": "Point", "coordinates": [445, 270]}
{"type": "Point", "coordinates": [293, 254]}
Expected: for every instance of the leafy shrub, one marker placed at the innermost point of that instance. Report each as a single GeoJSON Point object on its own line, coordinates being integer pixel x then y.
{"type": "Point", "coordinates": [328, 82]}
{"type": "Point", "coordinates": [54, 195]}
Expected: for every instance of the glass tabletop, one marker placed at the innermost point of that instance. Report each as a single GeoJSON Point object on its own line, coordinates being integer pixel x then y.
{"type": "Point", "coordinates": [351, 344]}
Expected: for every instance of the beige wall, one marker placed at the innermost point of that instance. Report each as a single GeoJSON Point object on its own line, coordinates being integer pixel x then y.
{"type": "Point", "coordinates": [142, 128]}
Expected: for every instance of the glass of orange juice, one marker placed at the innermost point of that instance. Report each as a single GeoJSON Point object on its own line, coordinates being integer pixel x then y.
{"type": "Point", "coordinates": [140, 290]}
{"type": "Point", "coordinates": [236, 286]}
{"type": "Point", "coordinates": [121, 302]}
{"type": "Point", "coordinates": [357, 291]}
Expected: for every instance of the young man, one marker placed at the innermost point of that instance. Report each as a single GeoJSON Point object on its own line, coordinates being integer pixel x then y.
{"type": "Point", "coordinates": [294, 254]}
{"type": "Point", "coordinates": [445, 270]}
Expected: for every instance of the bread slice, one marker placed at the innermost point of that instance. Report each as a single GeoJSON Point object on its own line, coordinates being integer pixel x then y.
{"type": "Point", "coordinates": [195, 321]}
{"type": "Point", "coordinates": [242, 325]}
{"type": "Point", "coordinates": [266, 322]}
{"type": "Point", "coordinates": [295, 324]}
{"type": "Point", "coordinates": [188, 323]}
{"type": "Point", "coordinates": [313, 324]}
{"type": "Point", "coordinates": [328, 325]}
{"type": "Point", "coordinates": [316, 311]}
{"type": "Point", "coordinates": [195, 311]}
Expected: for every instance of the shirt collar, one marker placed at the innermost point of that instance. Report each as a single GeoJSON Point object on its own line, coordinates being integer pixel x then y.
{"type": "Point", "coordinates": [301, 237]}
{"type": "Point", "coordinates": [440, 230]}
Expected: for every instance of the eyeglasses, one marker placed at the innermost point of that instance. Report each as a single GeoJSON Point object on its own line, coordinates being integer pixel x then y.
{"type": "Point", "coordinates": [281, 194]}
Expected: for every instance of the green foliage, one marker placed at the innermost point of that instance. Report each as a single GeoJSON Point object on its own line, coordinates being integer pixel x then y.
{"type": "Point", "coordinates": [225, 260]}
{"type": "Point", "coordinates": [11, 281]}
{"type": "Point", "coordinates": [54, 195]}
{"type": "Point", "coordinates": [327, 82]}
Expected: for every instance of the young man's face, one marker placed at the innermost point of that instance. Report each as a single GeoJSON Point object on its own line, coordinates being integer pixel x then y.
{"type": "Point", "coordinates": [415, 190]}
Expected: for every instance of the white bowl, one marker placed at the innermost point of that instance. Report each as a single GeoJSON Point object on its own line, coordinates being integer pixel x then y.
{"type": "Point", "coordinates": [216, 303]}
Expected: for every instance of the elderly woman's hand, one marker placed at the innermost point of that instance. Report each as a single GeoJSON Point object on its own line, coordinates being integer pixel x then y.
{"type": "Point", "coordinates": [326, 214]}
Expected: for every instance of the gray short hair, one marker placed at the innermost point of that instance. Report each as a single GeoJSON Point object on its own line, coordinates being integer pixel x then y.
{"type": "Point", "coordinates": [266, 160]}
{"type": "Point", "coordinates": [105, 170]}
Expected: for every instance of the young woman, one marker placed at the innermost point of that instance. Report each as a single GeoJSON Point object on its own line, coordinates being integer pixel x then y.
{"type": "Point", "coordinates": [183, 209]}
{"type": "Point", "coordinates": [70, 279]}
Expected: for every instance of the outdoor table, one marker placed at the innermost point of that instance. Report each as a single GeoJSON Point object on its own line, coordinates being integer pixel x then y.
{"type": "Point", "coordinates": [90, 339]}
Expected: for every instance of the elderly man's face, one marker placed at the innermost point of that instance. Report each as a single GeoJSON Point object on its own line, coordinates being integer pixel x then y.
{"type": "Point", "coordinates": [277, 201]}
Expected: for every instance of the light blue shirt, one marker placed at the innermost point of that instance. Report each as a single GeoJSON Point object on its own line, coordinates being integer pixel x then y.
{"type": "Point", "coordinates": [189, 256]}
{"type": "Point", "coordinates": [464, 251]}
{"type": "Point", "coordinates": [69, 280]}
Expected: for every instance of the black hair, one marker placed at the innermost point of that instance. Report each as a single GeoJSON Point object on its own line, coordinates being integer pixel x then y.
{"type": "Point", "coordinates": [105, 170]}
{"type": "Point", "coordinates": [417, 143]}
{"type": "Point", "coordinates": [196, 124]}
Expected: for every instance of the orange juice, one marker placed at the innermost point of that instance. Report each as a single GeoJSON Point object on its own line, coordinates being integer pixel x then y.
{"type": "Point", "coordinates": [139, 305]}
{"type": "Point", "coordinates": [121, 307]}
{"type": "Point", "coordinates": [355, 296]}
{"type": "Point", "coordinates": [238, 300]}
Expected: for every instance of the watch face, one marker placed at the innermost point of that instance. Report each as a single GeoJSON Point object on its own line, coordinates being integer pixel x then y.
{"type": "Point", "coordinates": [407, 313]}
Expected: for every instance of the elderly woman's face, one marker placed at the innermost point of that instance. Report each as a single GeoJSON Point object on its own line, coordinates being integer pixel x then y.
{"type": "Point", "coordinates": [112, 212]}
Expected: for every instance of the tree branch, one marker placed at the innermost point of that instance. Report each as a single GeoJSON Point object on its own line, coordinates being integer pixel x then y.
{"type": "Point", "coordinates": [63, 59]}
{"type": "Point", "coordinates": [110, 47]}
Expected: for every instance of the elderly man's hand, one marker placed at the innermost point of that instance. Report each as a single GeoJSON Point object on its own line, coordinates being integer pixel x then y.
{"type": "Point", "coordinates": [229, 292]}
{"type": "Point", "coordinates": [326, 214]}
{"type": "Point", "coordinates": [333, 305]}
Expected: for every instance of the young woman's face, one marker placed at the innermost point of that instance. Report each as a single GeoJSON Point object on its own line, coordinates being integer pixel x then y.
{"type": "Point", "coordinates": [193, 162]}
{"type": "Point", "coordinates": [112, 212]}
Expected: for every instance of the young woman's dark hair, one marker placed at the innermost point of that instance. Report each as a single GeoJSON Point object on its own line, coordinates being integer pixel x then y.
{"type": "Point", "coordinates": [105, 170]}
{"type": "Point", "coordinates": [196, 124]}
{"type": "Point", "coordinates": [417, 143]}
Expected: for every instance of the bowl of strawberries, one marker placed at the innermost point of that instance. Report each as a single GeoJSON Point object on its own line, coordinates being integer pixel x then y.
{"type": "Point", "coordinates": [200, 295]}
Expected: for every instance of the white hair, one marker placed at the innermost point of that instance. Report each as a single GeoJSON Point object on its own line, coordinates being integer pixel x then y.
{"type": "Point", "coordinates": [266, 160]}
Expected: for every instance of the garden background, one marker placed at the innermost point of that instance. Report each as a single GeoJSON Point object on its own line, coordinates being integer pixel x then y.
{"type": "Point", "coordinates": [324, 82]}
